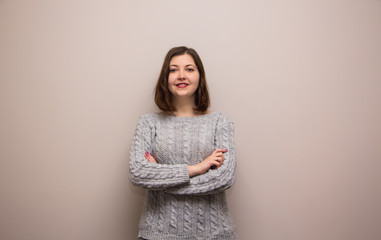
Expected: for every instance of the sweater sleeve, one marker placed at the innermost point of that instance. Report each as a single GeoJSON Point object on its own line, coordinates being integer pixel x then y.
{"type": "Point", "coordinates": [218, 179]}
{"type": "Point", "coordinates": [151, 175]}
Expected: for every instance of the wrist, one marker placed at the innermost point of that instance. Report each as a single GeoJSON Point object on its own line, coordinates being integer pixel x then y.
{"type": "Point", "coordinates": [193, 170]}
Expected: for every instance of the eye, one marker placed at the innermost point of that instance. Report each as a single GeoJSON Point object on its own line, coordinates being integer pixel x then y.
{"type": "Point", "coordinates": [172, 70]}
{"type": "Point", "coordinates": [190, 69]}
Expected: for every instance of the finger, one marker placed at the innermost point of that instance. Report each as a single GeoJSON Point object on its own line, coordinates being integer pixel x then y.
{"type": "Point", "coordinates": [220, 165]}
{"type": "Point", "coordinates": [223, 150]}
{"type": "Point", "coordinates": [153, 160]}
{"type": "Point", "coordinates": [220, 161]}
{"type": "Point", "coordinates": [217, 164]}
{"type": "Point", "coordinates": [149, 157]}
{"type": "Point", "coordinates": [217, 160]}
{"type": "Point", "coordinates": [214, 163]}
{"type": "Point", "coordinates": [146, 156]}
{"type": "Point", "coordinates": [221, 156]}
{"type": "Point", "coordinates": [218, 154]}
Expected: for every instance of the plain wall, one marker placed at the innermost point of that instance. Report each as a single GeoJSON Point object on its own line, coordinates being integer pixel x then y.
{"type": "Point", "coordinates": [301, 80]}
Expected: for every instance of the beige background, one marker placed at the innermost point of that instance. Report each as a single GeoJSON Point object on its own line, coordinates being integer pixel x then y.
{"type": "Point", "coordinates": [300, 79]}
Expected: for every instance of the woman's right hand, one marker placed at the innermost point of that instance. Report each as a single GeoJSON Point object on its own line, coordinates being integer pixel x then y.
{"type": "Point", "coordinates": [215, 159]}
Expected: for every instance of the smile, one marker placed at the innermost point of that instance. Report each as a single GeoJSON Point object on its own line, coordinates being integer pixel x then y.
{"type": "Point", "coordinates": [182, 85]}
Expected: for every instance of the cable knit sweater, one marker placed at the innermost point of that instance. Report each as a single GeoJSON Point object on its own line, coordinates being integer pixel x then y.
{"type": "Point", "coordinates": [178, 206]}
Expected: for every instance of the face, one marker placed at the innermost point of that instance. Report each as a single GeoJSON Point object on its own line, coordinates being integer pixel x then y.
{"type": "Point", "coordinates": [183, 76]}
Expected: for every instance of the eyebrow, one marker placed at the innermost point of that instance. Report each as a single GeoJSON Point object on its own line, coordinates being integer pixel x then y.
{"type": "Point", "coordinates": [174, 65]}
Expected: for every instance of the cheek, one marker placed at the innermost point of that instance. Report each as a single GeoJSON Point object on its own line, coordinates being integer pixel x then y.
{"type": "Point", "coordinates": [196, 80]}
{"type": "Point", "coordinates": [171, 87]}
{"type": "Point", "coordinates": [171, 79]}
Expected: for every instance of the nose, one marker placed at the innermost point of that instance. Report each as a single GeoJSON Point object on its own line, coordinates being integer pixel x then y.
{"type": "Point", "coordinates": [181, 74]}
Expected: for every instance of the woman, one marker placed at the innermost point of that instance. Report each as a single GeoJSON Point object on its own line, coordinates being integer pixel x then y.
{"type": "Point", "coordinates": [184, 156]}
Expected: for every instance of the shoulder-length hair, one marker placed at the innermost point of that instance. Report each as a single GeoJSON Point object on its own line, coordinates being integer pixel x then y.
{"type": "Point", "coordinates": [163, 97]}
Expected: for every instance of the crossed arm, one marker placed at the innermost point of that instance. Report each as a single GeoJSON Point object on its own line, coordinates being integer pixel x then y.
{"type": "Point", "coordinates": [183, 178]}
{"type": "Point", "coordinates": [214, 161]}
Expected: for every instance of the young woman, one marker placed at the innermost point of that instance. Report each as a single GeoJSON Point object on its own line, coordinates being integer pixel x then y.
{"type": "Point", "coordinates": [184, 156]}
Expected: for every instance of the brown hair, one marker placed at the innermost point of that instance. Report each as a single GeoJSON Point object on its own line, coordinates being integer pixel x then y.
{"type": "Point", "coordinates": [163, 97]}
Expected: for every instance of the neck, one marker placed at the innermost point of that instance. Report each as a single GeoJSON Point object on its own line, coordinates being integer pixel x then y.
{"type": "Point", "coordinates": [184, 107]}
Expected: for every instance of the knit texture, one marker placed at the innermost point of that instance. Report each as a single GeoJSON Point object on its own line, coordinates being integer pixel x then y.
{"type": "Point", "coordinates": [176, 206]}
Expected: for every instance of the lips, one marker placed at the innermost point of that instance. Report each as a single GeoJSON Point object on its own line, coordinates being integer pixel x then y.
{"type": "Point", "coordinates": [182, 85]}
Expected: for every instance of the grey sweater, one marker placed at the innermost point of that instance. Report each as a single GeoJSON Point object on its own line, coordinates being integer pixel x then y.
{"type": "Point", "coordinates": [177, 206]}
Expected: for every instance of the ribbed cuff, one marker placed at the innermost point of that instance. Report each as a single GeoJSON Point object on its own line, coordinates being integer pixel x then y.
{"type": "Point", "coordinates": [162, 236]}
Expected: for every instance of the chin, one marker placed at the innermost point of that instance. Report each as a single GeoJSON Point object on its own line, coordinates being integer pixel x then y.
{"type": "Point", "coordinates": [184, 95]}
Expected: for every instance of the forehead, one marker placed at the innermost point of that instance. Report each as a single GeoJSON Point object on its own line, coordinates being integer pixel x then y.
{"type": "Point", "coordinates": [182, 60]}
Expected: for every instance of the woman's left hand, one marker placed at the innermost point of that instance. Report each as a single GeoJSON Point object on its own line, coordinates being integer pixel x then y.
{"type": "Point", "coordinates": [150, 158]}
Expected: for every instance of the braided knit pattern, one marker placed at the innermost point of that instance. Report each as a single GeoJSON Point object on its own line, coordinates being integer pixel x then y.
{"type": "Point", "coordinates": [200, 217]}
{"type": "Point", "coordinates": [179, 207]}
{"type": "Point", "coordinates": [214, 211]}
{"type": "Point", "coordinates": [188, 210]}
{"type": "Point", "coordinates": [162, 210]}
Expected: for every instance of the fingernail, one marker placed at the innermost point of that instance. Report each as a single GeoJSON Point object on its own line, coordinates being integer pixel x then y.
{"type": "Point", "coordinates": [225, 149]}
